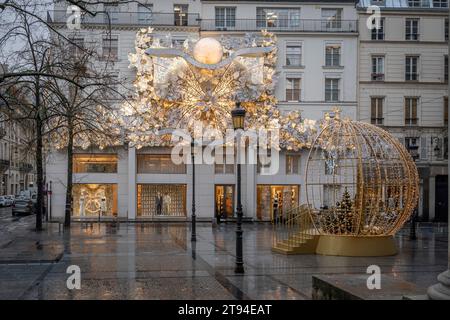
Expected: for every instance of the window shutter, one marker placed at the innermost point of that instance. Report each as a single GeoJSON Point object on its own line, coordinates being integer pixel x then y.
{"type": "Point", "coordinates": [423, 148]}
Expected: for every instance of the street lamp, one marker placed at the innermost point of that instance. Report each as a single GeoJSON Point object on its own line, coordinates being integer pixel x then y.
{"type": "Point", "coordinates": [238, 116]}
{"type": "Point", "coordinates": [193, 234]}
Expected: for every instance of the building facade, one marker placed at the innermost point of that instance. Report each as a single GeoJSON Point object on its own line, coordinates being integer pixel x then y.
{"type": "Point", "coordinates": [403, 87]}
{"type": "Point", "coordinates": [325, 56]}
{"type": "Point", "coordinates": [17, 169]}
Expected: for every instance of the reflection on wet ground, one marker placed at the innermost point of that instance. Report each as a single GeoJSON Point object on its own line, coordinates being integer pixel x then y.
{"type": "Point", "coordinates": [158, 261]}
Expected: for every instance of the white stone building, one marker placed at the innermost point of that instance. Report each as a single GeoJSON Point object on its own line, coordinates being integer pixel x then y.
{"type": "Point", "coordinates": [17, 172]}
{"type": "Point", "coordinates": [403, 87]}
{"type": "Point", "coordinates": [317, 65]}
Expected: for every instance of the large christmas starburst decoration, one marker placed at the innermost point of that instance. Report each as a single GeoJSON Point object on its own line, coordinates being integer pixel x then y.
{"type": "Point", "coordinates": [179, 85]}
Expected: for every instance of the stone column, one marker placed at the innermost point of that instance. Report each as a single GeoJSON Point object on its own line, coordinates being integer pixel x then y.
{"type": "Point", "coordinates": [250, 185]}
{"type": "Point", "coordinates": [132, 198]}
{"type": "Point", "coordinates": [441, 290]}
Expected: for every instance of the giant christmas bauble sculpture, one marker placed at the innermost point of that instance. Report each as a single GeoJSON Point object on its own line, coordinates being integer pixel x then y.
{"type": "Point", "coordinates": [361, 183]}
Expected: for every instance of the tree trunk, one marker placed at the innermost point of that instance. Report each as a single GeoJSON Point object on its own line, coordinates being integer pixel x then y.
{"type": "Point", "coordinates": [68, 212]}
{"type": "Point", "coordinates": [39, 166]}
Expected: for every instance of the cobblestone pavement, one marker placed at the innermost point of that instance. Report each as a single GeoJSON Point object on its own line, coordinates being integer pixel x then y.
{"type": "Point", "coordinates": [157, 261]}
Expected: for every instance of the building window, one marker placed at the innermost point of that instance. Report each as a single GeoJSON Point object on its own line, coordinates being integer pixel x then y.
{"type": "Point", "coordinates": [440, 3]}
{"type": "Point", "coordinates": [293, 89]}
{"type": "Point", "coordinates": [292, 164]}
{"type": "Point", "coordinates": [158, 164]}
{"type": "Point", "coordinates": [331, 90]}
{"type": "Point", "coordinates": [78, 46]}
{"type": "Point", "coordinates": [411, 63]}
{"type": "Point", "coordinates": [377, 68]}
{"type": "Point", "coordinates": [264, 161]}
{"type": "Point", "coordinates": [376, 110]}
{"type": "Point", "coordinates": [274, 202]}
{"type": "Point", "coordinates": [110, 48]}
{"type": "Point", "coordinates": [446, 29]}
{"type": "Point", "coordinates": [94, 200]}
{"type": "Point", "coordinates": [446, 68]}
{"type": "Point", "coordinates": [446, 111]}
{"type": "Point", "coordinates": [112, 13]}
{"type": "Point", "coordinates": [225, 17]}
{"type": "Point", "coordinates": [163, 200]}
{"type": "Point", "coordinates": [225, 167]}
{"type": "Point", "coordinates": [412, 29]}
{"type": "Point", "coordinates": [411, 111]}
{"type": "Point", "coordinates": [277, 17]}
{"type": "Point", "coordinates": [378, 34]}
{"type": "Point", "coordinates": [412, 145]}
{"type": "Point", "coordinates": [293, 55]}
{"type": "Point", "coordinates": [95, 163]}
{"type": "Point", "coordinates": [333, 56]}
{"type": "Point", "coordinates": [332, 18]}
{"type": "Point", "coordinates": [180, 14]}
{"type": "Point", "coordinates": [145, 14]}
{"type": "Point", "coordinates": [414, 3]}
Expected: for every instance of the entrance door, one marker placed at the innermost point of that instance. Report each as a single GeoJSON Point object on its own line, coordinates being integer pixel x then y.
{"type": "Point", "coordinates": [441, 206]}
{"type": "Point", "coordinates": [224, 199]}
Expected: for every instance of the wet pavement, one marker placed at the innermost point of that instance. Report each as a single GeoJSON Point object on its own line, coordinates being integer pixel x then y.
{"type": "Point", "coordinates": [158, 261]}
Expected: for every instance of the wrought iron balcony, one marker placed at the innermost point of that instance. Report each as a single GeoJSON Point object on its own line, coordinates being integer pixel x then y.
{"type": "Point", "coordinates": [138, 19]}
{"type": "Point", "coordinates": [25, 167]}
{"type": "Point", "coordinates": [292, 25]}
{"type": "Point", "coordinates": [4, 165]}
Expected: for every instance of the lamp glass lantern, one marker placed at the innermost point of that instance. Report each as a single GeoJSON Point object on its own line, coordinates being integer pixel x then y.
{"type": "Point", "coordinates": [238, 116]}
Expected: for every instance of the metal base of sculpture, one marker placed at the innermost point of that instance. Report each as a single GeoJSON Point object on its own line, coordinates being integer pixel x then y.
{"type": "Point", "coordinates": [356, 246]}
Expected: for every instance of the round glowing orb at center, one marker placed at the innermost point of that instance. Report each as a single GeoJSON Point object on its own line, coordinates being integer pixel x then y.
{"type": "Point", "coordinates": [208, 51]}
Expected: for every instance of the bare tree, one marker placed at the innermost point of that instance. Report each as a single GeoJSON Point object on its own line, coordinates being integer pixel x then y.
{"type": "Point", "coordinates": [82, 118]}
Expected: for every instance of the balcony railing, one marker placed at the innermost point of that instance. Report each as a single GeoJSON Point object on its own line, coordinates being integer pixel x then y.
{"type": "Point", "coordinates": [4, 165]}
{"type": "Point", "coordinates": [140, 19]}
{"type": "Point", "coordinates": [294, 25]}
{"type": "Point", "coordinates": [25, 167]}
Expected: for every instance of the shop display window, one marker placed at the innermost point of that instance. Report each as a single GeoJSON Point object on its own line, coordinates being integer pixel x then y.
{"type": "Point", "coordinates": [276, 201]}
{"type": "Point", "coordinates": [94, 200]}
{"type": "Point", "coordinates": [156, 200]}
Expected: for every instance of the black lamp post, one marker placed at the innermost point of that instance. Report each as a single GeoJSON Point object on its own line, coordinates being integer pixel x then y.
{"type": "Point", "coordinates": [238, 116]}
{"type": "Point", "coordinates": [193, 234]}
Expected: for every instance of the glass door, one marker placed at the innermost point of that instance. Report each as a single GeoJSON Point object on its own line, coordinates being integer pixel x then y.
{"type": "Point", "coordinates": [224, 201]}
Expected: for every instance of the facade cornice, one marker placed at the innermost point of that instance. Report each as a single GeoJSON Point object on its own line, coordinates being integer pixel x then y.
{"type": "Point", "coordinates": [406, 83]}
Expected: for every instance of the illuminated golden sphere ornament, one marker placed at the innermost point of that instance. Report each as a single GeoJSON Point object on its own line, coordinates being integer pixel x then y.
{"type": "Point", "coordinates": [208, 51]}
{"type": "Point", "coordinates": [361, 187]}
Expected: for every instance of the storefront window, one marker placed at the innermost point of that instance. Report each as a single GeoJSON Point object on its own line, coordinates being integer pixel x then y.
{"type": "Point", "coordinates": [95, 163]}
{"type": "Point", "coordinates": [94, 200]}
{"type": "Point", "coordinates": [276, 201]}
{"type": "Point", "coordinates": [167, 200]}
{"type": "Point", "coordinates": [158, 163]}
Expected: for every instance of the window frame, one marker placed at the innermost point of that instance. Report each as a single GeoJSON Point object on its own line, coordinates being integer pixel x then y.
{"type": "Point", "coordinates": [332, 89]}
{"type": "Point", "coordinates": [299, 56]}
{"type": "Point", "coordinates": [377, 115]}
{"type": "Point", "coordinates": [330, 55]}
{"type": "Point", "coordinates": [410, 73]}
{"type": "Point", "coordinates": [409, 24]}
{"type": "Point", "coordinates": [290, 96]}
{"type": "Point", "coordinates": [376, 74]}
{"type": "Point", "coordinates": [227, 22]}
{"type": "Point", "coordinates": [410, 120]}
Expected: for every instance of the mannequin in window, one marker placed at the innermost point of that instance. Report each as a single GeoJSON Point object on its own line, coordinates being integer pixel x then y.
{"type": "Point", "coordinates": [159, 201]}
{"type": "Point", "coordinates": [103, 206]}
{"type": "Point", "coordinates": [167, 200]}
{"type": "Point", "coordinates": [82, 200]}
